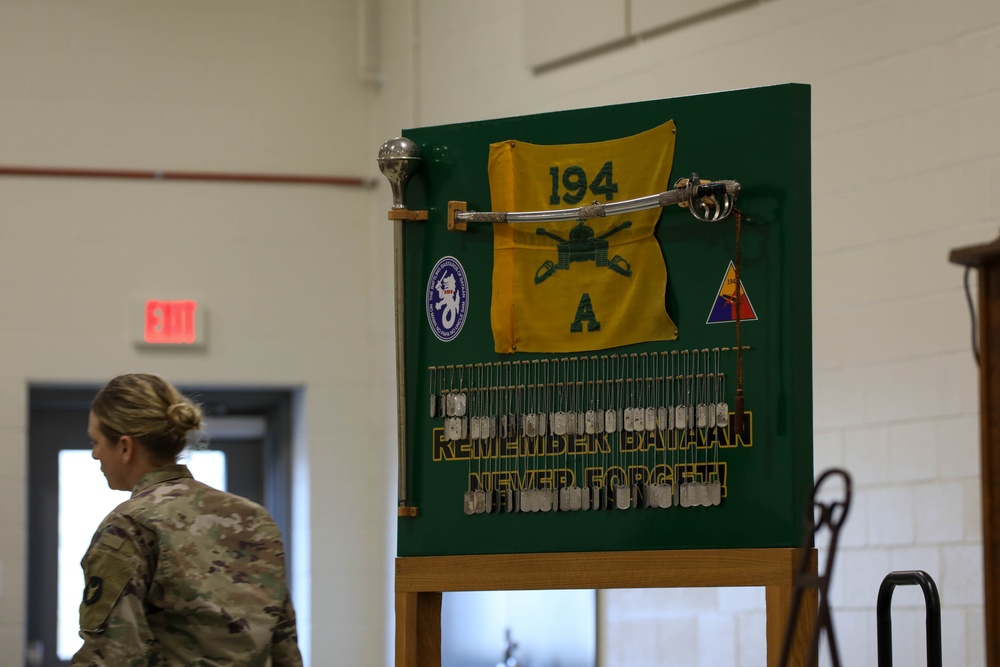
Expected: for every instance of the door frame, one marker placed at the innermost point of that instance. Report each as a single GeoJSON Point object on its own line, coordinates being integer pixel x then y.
{"type": "Point", "coordinates": [274, 405]}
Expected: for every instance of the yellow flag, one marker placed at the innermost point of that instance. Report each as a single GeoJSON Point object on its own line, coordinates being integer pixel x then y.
{"type": "Point", "coordinates": [579, 285]}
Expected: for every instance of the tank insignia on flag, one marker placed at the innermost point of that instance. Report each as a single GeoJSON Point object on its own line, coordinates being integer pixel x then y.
{"type": "Point", "coordinates": [582, 246]}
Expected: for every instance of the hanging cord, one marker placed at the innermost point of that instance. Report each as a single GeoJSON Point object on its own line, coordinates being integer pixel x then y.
{"type": "Point", "coordinates": [972, 314]}
{"type": "Point", "coordinates": [738, 416]}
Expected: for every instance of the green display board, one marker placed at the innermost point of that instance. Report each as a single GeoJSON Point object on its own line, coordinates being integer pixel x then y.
{"type": "Point", "coordinates": [758, 137]}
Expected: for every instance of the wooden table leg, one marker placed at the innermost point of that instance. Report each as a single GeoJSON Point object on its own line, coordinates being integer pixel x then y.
{"type": "Point", "coordinates": [779, 604]}
{"type": "Point", "coordinates": [778, 601]}
{"type": "Point", "coordinates": [418, 629]}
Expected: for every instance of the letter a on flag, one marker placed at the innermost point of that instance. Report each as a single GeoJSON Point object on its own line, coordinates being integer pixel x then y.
{"type": "Point", "coordinates": [588, 284]}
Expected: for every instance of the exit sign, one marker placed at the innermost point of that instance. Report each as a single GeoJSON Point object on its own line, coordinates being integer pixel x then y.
{"type": "Point", "coordinates": [171, 323]}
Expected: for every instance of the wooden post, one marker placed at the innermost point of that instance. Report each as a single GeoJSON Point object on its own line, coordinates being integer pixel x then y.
{"type": "Point", "coordinates": [418, 629]}
{"type": "Point", "coordinates": [986, 258]}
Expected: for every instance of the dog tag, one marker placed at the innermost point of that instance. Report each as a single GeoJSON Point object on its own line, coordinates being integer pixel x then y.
{"type": "Point", "coordinates": [503, 426]}
{"type": "Point", "coordinates": [653, 496]}
{"type": "Point", "coordinates": [434, 406]}
{"type": "Point", "coordinates": [703, 497]}
{"type": "Point", "coordinates": [629, 421]}
{"type": "Point", "coordinates": [634, 499]}
{"type": "Point", "coordinates": [512, 505]}
{"type": "Point", "coordinates": [603, 498]}
{"type": "Point", "coordinates": [570, 423]}
{"type": "Point", "coordinates": [610, 421]}
{"type": "Point", "coordinates": [701, 412]}
{"type": "Point", "coordinates": [488, 502]}
{"type": "Point", "coordinates": [441, 407]}
{"type": "Point", "coordinates": [680, 420]}
{"type": "Point", "coordinates": [662, 419]}
{"type": "Point", "coordinates": [581, 425]}
{"type": "Point", "coordinates": [666, 496]}
{"type": "Point", "coordinates": [711, 415]}
{"type": "Point", "coordinates": [498, 501]}
{"type": "Point", "coordinates": [575, 497]}
{"type": "Point", "coordinates": [590, 422]}
{"type": "Point", "coordinates": [535, 500]}
{"type": "Point", "coordinates": [453, 428]}
{"type": "Point", "coordinates": [722, 415]}
{"type": "Point", "coordinates": [540, 418]}
{"type": "Point", "coordinates": [639, 419]}
{"type": "Point", "coordinates": [545, 500]}
{"type": "Point", "coordinates": [715, 494]}
{"type": "Point", "coordinates": [650, 419]}
{"type": "Point", "coordinates": [622, 501]}
{"type": "Point", "coordinates": [530, 425]}
{"type": "Point", "coordinates": [599, 421]}
{"type": "Point", "coordinates": [564, 499]}
{"type": "Point", "coordinates": [525, 500]}
{"type": "Point", "coordinates": [555, 500]}
{"type": "Point", "coordinates": [643, 495]}
{"type": "Point", "coordinates": [469, 504]}
{"type": "Point", "coordinates": [585, 499]}
{"type": "Point", "coordinates": [461, 401]}
{"type": "Point", "coordinates": [475, 428]}
{"type": "Point", "coordinates": [685, 494]}
{"type": "Point", "coordinates": [463, 428]}
{"type": "Point", "coordinates": [479, 500]}
{"type": "Point", "coordinates": [698, 494]}
{"type": "Point", "coordinates": [559, 423]}
{"type": "Point", "coordinates": [449, 405]}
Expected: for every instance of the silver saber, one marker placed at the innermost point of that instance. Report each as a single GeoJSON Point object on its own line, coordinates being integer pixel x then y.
{"type": "Point", "coordinates": [709, 202]}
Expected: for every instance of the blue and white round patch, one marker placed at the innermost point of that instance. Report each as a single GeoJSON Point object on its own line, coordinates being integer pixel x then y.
{"type": "Point", "coordinates": [447, 298]}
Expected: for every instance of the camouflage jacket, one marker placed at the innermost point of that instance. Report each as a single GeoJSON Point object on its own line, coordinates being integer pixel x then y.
{"type": "Point", "coordinates": [184, 574]}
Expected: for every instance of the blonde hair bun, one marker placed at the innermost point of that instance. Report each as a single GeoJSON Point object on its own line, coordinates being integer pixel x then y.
{"type": "Point", "coordinates": [185, 416]}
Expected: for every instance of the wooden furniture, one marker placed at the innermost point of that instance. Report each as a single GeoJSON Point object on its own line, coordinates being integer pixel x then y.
{"type": "Point", "coordinates": [986, 258]}
{"type": "Point", "coordinates": [420, 581]}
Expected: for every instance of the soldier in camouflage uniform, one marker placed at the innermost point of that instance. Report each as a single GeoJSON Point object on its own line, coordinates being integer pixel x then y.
{"type": "Point", "coordinates": [180, 574]}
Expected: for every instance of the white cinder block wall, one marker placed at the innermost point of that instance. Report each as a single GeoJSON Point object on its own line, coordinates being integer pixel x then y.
{"type": "Point", "coordinates": [905, 101]}
{"type": "Point", "coordinates": [285, 272]}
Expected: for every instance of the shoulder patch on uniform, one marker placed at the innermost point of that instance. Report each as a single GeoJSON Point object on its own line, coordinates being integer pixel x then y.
{"type": "Point", "coordinates": [106, 575]}
{"type": "Point", "coordinates": [116, 543]}
{"type": "Point", "coordinates": [112, 541]}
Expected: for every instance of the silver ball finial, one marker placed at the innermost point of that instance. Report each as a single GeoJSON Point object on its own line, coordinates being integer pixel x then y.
{"type": "Point", "coordinates": [398, 159]}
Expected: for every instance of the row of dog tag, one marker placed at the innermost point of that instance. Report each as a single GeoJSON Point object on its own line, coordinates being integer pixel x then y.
{"type": "Point", "coordinates": [451, 404]}
{"type": "Point", "coordinates": [573, 498]}
{"type": "Point", "coordinates": [700, 494]}
{"type": "Point", "coordinates": [458, 426]}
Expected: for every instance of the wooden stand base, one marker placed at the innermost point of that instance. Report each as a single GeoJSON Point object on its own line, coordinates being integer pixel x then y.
{"type": "Point", "coordinates": [420, 581]}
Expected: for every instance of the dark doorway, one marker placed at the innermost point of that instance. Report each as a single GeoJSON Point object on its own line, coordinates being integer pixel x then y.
{"type": "Point", "coordinates": [247, 451]}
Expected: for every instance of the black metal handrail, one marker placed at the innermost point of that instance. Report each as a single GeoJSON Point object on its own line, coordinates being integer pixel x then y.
{"type": "Point", "coordinates": [932, 602]}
